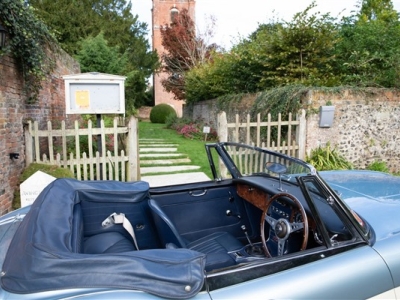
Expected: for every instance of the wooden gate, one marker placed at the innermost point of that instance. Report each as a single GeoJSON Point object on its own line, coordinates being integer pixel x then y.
{"type": "Point", "coordinates": [116, 156]}
{"type": "Point", "coordinates": [285, 136]}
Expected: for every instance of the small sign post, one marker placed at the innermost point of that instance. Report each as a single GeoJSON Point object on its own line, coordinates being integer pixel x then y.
{"type": "Point", "coordinates": [206, 130]}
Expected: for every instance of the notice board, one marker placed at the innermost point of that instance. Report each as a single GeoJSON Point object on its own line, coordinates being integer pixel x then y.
{"type": "Point", "coordinates": [94, 93]}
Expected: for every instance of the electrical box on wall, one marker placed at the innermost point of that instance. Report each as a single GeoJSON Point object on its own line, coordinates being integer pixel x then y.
{"type": "Point", "coordinates": [326, 114]}
{"type": "Point", "coordinates": [94, 93]}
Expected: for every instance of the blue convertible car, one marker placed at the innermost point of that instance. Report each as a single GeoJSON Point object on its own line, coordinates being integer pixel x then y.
{"type": "Point", "coordinates": [268, 226]}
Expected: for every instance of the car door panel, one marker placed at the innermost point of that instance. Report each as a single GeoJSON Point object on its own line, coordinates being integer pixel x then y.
{"type": "Point", "coordinates": [356, 274]}
{"type": "Point", "coordinates": [389, 250]}
{"type": "Point", "coordinates": [198, 211]}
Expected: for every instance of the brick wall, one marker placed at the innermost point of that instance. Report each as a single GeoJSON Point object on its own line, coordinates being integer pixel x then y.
{"type": "Point", "coordinates": [14, 113]}
{"type": "Point", "coordinates": [366, 126]}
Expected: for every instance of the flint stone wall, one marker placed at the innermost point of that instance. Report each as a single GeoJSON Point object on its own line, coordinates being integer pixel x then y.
{"type": "Point", "coordinates": [366, 125]}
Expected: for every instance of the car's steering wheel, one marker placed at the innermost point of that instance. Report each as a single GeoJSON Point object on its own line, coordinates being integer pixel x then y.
{"type": "Point", "coordinates": [282, 227]}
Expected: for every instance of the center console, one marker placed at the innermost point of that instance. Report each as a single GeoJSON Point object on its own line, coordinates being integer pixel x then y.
{"type": "Point", "coordinates": [248, 253]}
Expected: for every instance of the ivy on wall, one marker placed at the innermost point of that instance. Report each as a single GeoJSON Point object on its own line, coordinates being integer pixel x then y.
{"type": "Point", "coordinates": [290, 99]}
{"type": "Point", "coordinates": [284, 100]}
{"type": "Point", "coordinates": [29, 42]}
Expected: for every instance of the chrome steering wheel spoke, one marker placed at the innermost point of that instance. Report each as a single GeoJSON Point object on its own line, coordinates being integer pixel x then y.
{"type": "Point", "coordinates": [296, 226]}
{"type": "Point", "coordinates": [281, 246]}
{"type": "Point", "coordinates": [271, 221]}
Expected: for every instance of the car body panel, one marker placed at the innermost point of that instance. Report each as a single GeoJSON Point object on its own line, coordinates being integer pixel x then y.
{"type": "Point", "coordinates": [8, 226]}
{"type": "Point", "coordinates": [388, 249]}
{"type": "Point", "coordinates": [342, 276]}
{"type": "Point", "coordinates": [373, 195]}
{"type": "Point", "coordinates": [361, 264]}
{"type": "Point", "coordinates": [92, 294]}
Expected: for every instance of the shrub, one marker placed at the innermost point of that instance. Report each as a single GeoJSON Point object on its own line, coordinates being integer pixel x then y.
{"type": "Point", "coordinates": [192, 129]}
{"type": "Point", "coordinates": [161, 112]}
{"type": "Point", "coordinates": [171, 120]}
{"type": "Point", "coordinates": [324, 158]}
{"type": "Point", "coordinates": [378, 166]}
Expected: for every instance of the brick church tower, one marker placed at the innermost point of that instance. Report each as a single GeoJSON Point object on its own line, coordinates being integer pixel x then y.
{"type": "Point", "coordinates": [162, 14]}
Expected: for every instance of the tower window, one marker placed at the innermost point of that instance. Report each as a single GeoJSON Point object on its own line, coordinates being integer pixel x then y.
{"type": "Point", "coordinates": [174, 13]}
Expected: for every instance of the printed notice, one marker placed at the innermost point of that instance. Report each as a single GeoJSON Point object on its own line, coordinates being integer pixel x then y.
{"type": "Point", "coordinates": [82, 99]}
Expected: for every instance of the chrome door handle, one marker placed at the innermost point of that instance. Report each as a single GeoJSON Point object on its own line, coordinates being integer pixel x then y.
{"type": "Point", "coordinates": [198, 193]}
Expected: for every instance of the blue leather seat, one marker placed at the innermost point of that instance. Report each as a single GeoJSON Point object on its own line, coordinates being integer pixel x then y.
{"type": "Point", "coordinates": [107, 242]}
{"type": "Point", "coordinates": [216, 245]}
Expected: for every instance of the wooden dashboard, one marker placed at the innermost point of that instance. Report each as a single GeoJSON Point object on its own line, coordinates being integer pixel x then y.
{"type": "Point", "coordinates": [255, 196]}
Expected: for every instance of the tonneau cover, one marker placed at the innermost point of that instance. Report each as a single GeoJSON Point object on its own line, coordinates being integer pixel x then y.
{"type": "Point", "coordinates": [40, 256]}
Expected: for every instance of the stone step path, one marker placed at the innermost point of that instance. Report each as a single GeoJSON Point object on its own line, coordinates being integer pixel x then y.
{"type": "Point", "coordinates": [161, 157]}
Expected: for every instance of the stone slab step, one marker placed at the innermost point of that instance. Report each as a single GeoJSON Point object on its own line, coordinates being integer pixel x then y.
{"type": "Point", "coordinates": [165, 161]}
{"type": "Point", "coordinates": [157, 155]}
{"type": "Point", "coordinates": [157, 150]}
{"type": "Point", "coordinates": [171, 179]}
{"type": "Point", "coordinates": [169, 169]}
{"type": "Point", "coordinates": [153, 141]}
{"type": "Point", "coordinates": [157, 145]}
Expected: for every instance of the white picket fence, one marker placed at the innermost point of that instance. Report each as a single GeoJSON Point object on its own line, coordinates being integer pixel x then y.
{"type": "Point", "coordinates": [118, 164]}
{"type": "Point", "coordinates": [293, 143]}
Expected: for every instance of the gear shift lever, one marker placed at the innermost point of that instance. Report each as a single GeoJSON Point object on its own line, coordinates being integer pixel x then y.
{"type": "Point", "coordinates": [243, 227]}
{"type": "Point", "coordinates": [254, 250]}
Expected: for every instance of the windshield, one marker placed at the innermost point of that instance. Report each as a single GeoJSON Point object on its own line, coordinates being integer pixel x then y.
{"type": "Point", "coordinates": [247, 160]}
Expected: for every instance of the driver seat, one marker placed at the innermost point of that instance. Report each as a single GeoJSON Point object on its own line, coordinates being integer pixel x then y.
{"type": "Point", "coordinates": [216, 245]}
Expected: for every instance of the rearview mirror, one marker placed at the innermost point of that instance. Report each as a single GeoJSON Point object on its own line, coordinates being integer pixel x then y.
{"type": "Point", "coordinates": [276, 168]}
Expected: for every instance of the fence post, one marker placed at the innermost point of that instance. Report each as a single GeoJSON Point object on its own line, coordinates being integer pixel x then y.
{"type": "Point", "coordinates": [28, 145]}
{"type": "Point", "coordinates": [222, 124]}
{"type": "Point", "coordinates": [133, 170]}
{"type": "Point", "coordinates": [301, 134]}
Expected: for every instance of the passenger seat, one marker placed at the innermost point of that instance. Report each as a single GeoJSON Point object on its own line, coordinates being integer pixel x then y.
{"type": "Point", "coordinates": [216, 245]}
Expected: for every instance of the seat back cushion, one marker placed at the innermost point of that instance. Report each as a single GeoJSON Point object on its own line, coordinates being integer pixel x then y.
{"type": "Point", "coordinates": [95, 211]}
{"type": "Point", "coordinates": [77, 230]}
{"type": "Point", "coordinates": [166, 229]}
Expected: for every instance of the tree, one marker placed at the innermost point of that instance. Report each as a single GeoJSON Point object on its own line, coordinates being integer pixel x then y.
{"type": "Point", "coordinates": [300, 51]}
{"type": "Point", "coordinates": [234, 72]}
{"type": "Point", "coordinates": [123, 39]}
{"type": "Point", "coordinates": [183, 51]}
{"type": "Point", "coordinates": [88, 18]}
{"type": "Point", "coordinates": [368, 53]}
{"type": "Point", "coordinates": [278, 53]}
{"type": "Point", "coordinates": [311, 49]}
{"type": "Point", "coordinates": [96, 56]}
{"type": "Point", "coordinates": [372, 10]}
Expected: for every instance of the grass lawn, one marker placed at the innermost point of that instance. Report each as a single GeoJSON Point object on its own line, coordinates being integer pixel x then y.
{"type": "Point", "coordinates": [194, 149]}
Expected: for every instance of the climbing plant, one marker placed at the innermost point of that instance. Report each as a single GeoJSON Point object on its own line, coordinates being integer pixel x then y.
{"type": "Point", "coordinates": [30, 43]}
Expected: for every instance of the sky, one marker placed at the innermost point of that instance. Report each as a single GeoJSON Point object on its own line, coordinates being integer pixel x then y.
{"type": "Point", "coordinates": [235, 18]}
